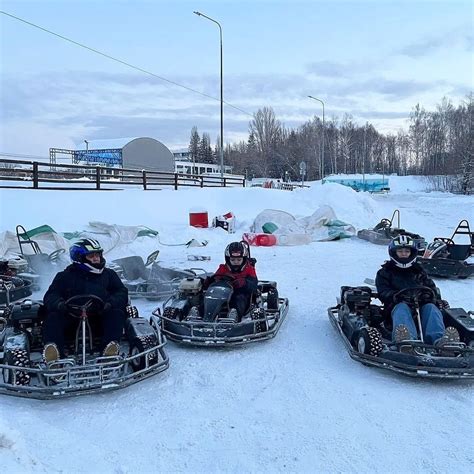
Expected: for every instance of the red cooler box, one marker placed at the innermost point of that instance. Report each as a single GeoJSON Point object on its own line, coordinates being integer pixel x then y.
{"type": "Point", "coordinates": [199, 219]}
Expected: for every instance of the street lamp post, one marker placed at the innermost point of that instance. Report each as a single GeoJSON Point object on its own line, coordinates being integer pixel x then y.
{"type": "Point", "coordinates": [222, 92]}
{"type": "Point", "coordinates": [87, 150]}
{"type": "Point", "coordinates": [322, 152]}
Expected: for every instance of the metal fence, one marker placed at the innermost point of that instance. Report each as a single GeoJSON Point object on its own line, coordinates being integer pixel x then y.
{"type": "Point", "coordinates": [20, 174]}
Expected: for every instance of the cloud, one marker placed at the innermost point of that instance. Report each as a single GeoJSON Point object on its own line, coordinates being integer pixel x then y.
{"type": "Point", "coordinates": [390, 89]}
{"type": "Point", "coordinates": [461, 38]}
{"type": "Point", "coordinates": [334, 70]}
{"type": "Point", "coordinates": [47, 97]}
{"type": "Point", "coordinates": [380, 114]}
{"type": "Point", "coordinates": [327, 69]}
{"type": "Point", "coordinates": [55, 110]}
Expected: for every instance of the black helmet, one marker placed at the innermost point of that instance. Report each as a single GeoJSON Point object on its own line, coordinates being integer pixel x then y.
{"type": "Point", "coordinates": [236, 250]}
{"type": "Point", "coordinates": [403, 241]}
{"type": "Point", "coordinates": [80, 249]}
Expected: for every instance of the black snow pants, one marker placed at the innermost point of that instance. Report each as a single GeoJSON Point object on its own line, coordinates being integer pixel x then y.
{"type": "Point", "coordinates": [240, 300]}
{"type": "Point", "coordinates": [57, 324]}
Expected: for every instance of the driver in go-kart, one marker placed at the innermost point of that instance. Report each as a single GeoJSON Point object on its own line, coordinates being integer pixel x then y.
{"type": "Point", "coordinates": [240, 270]}
{"type": "Point", "coordinates": [402, 272]}
{"type": "Point", "coordinates": [86, 275]}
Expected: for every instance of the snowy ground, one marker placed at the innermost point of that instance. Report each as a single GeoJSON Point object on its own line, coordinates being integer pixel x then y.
{"type": "Point", "coordinates": [296, 403]}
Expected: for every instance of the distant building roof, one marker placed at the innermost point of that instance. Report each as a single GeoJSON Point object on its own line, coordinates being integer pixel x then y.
{"type": "Point", "coordinates": [180, 150]}
{"type": "Point", "coordinates": [106, 143]}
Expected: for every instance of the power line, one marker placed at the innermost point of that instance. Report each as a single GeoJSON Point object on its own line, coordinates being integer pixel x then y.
{"type": "Point", "coordinates": [120, 61]}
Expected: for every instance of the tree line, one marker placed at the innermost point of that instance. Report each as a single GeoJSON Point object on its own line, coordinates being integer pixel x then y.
{"type": "Point", "coordinates": [438, 144]}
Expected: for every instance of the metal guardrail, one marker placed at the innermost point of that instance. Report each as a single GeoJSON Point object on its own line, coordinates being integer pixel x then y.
{"type": "Point", "coordinates": [37, 175]}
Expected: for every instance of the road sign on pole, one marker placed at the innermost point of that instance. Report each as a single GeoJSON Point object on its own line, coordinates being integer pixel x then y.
{"type": "Point", "coordinates": [302, 171]}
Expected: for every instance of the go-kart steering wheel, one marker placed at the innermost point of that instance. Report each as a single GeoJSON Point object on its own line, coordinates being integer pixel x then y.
{"type": "Point", "coordinates": [445, 240]}
{"type": "Point", "coordinates": [54, 256]}
{"type": "Point", "coordinates": [90, 301]}
{"type": "Point", "coordinates": [226, 279]}
{"type": "Point", "coordinates": [413, 293]}
{"type": "Point", "coordinates": [383, 224]}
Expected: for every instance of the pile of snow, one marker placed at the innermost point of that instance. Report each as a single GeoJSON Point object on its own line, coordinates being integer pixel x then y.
{"type": "Point", "coordinates": [358, 209]}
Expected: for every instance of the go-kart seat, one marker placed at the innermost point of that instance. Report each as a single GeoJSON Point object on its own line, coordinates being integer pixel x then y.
{"type": "Point", "coordinates": [133, 267]}
{"type": "Point", "coordinates": [459, 251]}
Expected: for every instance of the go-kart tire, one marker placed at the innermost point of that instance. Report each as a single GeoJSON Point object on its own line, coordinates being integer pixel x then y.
{"type": "Point", "coordinates": [173, 313]}
{"type": "Point", "coordinates": [369, 341]}
{"type": "Point", "coordinates": [272, 299]}
{"type": "Point", "coordinates": [262, 325]}
{"type": "Point", "coordinates": [132, 312]}
{"type": "Point", "coordinates": [138, 345]}
{"type": "Point", "coordinates": [18, 358]}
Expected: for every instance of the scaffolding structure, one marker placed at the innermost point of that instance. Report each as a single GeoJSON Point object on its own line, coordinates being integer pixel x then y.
{"type": "Point", "coordinates": [107, 157]}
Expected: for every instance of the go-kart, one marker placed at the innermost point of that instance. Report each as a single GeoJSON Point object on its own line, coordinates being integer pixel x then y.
{"type": "Point", "coordinates": [201, 317]}
{"type": "Point", "coordinates": [84, 369]}
{"type": "Point", "coordinates": [384, 232]}
{"type": "Point", "coordinates": [149, 279]}
{"type": "Point", "coordinates": [13, 288]}
{"type": "Point", "coordinates": [38, 264]}
{"type": "Point", "coordinates": [446, 258]}
{"type": "Point", "coordinates": [365, 329]}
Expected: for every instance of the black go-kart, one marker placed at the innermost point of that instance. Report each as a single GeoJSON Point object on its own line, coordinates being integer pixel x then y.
{"type": "Point", "coordinates": [384, 232]}
{"type": "Point", "coordinates": [445, 258]}
{"type": "Point", "coordinates": [365, 329]}
{"type": "Point", "coordinates": [149, 279]}
{"type": "Point", "coordinates": [213, 326]}
{"type": "Point", "coordinates": [13, 288]}
{"type": "Point", "coordinates": [84, 370]}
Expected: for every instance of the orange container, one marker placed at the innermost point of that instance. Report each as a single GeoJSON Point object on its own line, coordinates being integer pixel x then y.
{"type": "Point", "coordinates": [199, 219]}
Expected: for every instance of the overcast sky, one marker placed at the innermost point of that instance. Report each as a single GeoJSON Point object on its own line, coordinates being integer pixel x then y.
{"type": "Point", "coordinates": [372, 59]}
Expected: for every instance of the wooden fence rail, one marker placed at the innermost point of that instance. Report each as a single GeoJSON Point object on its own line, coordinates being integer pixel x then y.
{"type": "Point", "coordinates": [38, 175]}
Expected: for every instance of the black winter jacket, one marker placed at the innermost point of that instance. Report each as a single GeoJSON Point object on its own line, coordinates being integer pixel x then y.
{"type": "Point", "coordinates": [74, 281]}
{"type": "Point", "coordinates": [391, 279]}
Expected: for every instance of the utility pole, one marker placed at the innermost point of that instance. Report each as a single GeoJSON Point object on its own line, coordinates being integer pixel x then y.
{"type": "Point", "coordinates": [322, 150]}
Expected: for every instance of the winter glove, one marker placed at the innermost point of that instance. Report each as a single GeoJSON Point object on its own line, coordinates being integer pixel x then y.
{"type": "Point", "coordinates": [107, 306]}
{"type": "Point", "coordinates": [239, 282]}
{"type": "Point", "coordinates": [426, 297]}
{"type": "Point", "coordinates": [227, 277]}
{"type": "Point", "coordinates": [442, 304]}
{"type": "Point", "coordinates": [403, 298]}
{"type": "Point", "coordinates": [61, 306]}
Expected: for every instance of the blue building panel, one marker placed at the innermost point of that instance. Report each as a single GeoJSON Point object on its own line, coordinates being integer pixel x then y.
{"type": "Point", "coordinates": [372, 185]}
{"type": "Point", "coordinates": [109, 157]}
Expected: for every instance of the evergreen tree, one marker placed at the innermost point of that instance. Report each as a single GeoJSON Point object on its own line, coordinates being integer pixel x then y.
{"type": "Point", "coordinates": [194, 144]}
{"type": "Point", "coordinates": [205, 150]}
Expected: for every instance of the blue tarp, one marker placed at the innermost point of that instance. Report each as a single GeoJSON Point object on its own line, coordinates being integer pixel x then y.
{"type": "Point", "coordinates": [372, 185]}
